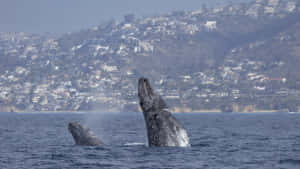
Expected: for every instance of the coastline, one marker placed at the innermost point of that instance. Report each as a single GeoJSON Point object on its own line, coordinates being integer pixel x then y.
{"type": "Point", "coordinates": [113, 112]}
{"type": "Point", "coordinates": [12, 109]}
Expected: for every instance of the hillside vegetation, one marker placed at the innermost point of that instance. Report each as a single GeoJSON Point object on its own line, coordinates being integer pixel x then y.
{"type": "Point", "coordinates": [238, 57]}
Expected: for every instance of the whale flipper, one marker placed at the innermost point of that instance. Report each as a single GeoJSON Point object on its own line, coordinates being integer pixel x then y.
{"type": "Point", "coordinates": [83, 135]}
{"type": "Point", "coordinates": [163, 129]}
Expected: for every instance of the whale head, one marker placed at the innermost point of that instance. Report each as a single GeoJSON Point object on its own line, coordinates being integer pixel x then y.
{"type": "Point", "coordinates": [149, 101]}
{"type": "Point", "coordinates": [83, 135]}
{"type": "Point", "coordinates": [77, 130]}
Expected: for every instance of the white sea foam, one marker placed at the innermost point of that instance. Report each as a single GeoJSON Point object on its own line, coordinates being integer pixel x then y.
{"type": "Point", "coordinates": [183, 138]}
{"type": "Point", "coordinates": [134, 144]}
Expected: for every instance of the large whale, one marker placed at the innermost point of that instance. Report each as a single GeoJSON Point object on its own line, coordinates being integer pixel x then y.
{"type": "Point", "coordinates": [163, 129]}
{"type": "Point", "coordinates": [83, 135]}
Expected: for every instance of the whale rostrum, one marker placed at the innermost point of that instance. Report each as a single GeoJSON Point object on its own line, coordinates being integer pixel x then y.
{"type": "Point", "coordinates": [163, 129]}
{"type": "Point", "coordinates": [82, 135]}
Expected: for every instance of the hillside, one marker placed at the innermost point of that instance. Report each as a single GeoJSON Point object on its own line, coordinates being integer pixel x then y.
{"type": "Point", "coordinates": [238, 57]}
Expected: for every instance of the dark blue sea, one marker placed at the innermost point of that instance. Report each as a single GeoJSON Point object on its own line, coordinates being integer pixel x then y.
{"type": "Point", "coordinates": [219, 141]}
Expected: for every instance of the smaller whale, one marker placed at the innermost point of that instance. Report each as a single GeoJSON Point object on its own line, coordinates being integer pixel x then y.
{"type": "Point", "coordinates": [83, 135]}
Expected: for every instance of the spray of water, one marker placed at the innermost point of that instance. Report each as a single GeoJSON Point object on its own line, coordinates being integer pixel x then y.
{"type": "Point", "coordinates": [101, 123]}
{"type": "Point", "coordinates": [99, 118]}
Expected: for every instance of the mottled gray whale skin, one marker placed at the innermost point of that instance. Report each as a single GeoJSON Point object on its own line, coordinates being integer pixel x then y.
{"type": "Point", "coordinates": [83, 135]}
{"type": "Point", "coordinates": [163, 129]}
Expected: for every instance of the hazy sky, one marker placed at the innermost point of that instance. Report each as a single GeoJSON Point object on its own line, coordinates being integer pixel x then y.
{"type": "Point", "coordinates": [60, 16]}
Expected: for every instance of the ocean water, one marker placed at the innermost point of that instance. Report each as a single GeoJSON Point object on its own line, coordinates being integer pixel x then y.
{"type": "Point", "coordinates": [241, 141]}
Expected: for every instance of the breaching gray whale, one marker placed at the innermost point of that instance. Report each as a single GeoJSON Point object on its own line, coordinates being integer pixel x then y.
{"type": "Point", "coordinates": [83, 135]}
{"type": "Point", "coordinates": [163, 129]}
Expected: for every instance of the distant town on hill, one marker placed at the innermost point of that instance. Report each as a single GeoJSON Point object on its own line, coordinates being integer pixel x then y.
{"type": "Point", "coordinates": [242, 57]}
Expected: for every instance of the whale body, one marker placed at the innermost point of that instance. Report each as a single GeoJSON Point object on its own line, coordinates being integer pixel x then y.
{"type": "Point", "coordinates": [163, 129]}
{"type": "Point", "coordinates": [82, 135]}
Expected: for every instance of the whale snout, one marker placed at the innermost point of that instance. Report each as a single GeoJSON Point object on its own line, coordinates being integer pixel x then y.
{"type": "Point", "coordinates": [144, 88]}
{"type": "Point", "coordinates": [145, 94]}
{"type": "Point", "coordinates": [73, 126]}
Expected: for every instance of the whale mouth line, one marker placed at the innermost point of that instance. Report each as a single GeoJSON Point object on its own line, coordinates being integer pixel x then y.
{"type": "Point", "coordinates": [146, 95]}
{"type": "Point", "coordinates": [145, 89]}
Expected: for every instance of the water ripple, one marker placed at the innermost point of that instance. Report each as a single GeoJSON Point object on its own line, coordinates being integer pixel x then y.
{"type": "Point", "coordinates": [218, 141]}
